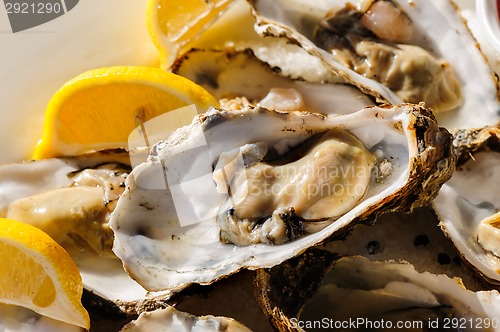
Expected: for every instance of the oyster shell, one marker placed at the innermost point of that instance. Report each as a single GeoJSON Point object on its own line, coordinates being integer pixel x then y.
{"type": "Point", "coordinates": [234, 29]}
{"type": "Point", "coordinates": [71, 199]}
{"type": "Point", "coordinates": [167, 236]}
{"type": "Point", "coordinates": [170, 319]}
{"type": "Point", "coordinates": [438, 31]}
{"type": "Point", "coordinates": [415, 238]}
{"type": "Point", "coordinates": [334, 290]}
{"type": "Point", "coordinates": [18, 319]}
{"type": "Point", "coordinates": [223, 73]}
{"type": "Point", "coordinates": [471, 197]}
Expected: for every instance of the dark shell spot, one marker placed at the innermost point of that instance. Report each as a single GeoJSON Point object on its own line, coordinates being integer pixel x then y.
{"type": "Point", "coordinates": [142, 231]}
{"type": "Point", "coordinates": [421, 240]}
{"type": "Point", "coordinates": [146, 206]}
{"type": "Point", "coordinates": [373, 247]}
{"type": "Point", "coordinates": [444, 259]}
{"type": "Point", "coordinates": [208, 79]}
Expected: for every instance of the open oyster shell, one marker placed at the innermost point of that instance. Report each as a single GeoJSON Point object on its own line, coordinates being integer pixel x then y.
{"type": "Point", "coordinates": [223, 73]}
{"type": "Point", "coordinates": [170, 319]}
{"type": "Point", "coordinates": [235, 29]}
{"type": "Point", "coordinates": [320, 286]}
{"type": "Point", "coordinates": [470, 197]}
{"type": "Point", "coordinates": [437, 29]}
{"type": "Point", "coordinates": [162, 248]}
{"type": "Point", "coordinates": [51, 194]}
{"type": "Point", "coordinates": [18, 319]}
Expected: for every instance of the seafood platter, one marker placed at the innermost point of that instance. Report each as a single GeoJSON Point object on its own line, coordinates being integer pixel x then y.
{"type": "Point", "coordinates": [279, 165]}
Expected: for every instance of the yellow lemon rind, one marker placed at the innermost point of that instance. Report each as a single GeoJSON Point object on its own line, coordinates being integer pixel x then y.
{"type": "Point", "coordinates": [179, 87]}
{"type": "Point", "coordinates": [57, 263]}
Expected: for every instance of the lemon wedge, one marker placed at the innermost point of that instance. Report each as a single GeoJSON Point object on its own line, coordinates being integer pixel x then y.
{"type": "Point", "coordinates": [38, 274]}
{"type": "Point", "coordinates": [99, 108]}
{"type": "Point", "coordinates": [173, 25]}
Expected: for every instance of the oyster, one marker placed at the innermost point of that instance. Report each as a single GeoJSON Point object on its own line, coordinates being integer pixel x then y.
{"type": "Point", "coordinates": [274, 204]}
{"type": "Point", "coordinates": [83, 224]}
{"type": "Point", "coordinates": [170, 319]}
{"type": "Point", "coordinates": [223, 73]}
{"type": "Point", "coordinates": [373, 294]}
{"type": "Point", "coordinates": [234, 30]}
{"type": "Point", "coordinates": [469, 203]}
{"type": "Point", "coordinates": [435, 57]}
{"type": "Point", "coordinates": [71, 199]}
{"type": "Point", "coordinates": [166, 223]}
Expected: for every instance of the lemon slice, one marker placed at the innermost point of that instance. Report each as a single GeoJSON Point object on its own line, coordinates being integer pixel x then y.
{"type": "Point", "coordinates": [174, 24]}
{"type": "Point", "coordinates": [37, 273]}
{"type": "Point", "coordinates": [99, 108]}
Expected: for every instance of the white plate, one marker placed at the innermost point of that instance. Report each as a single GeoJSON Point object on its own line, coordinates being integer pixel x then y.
{"type": "Point", "coordinates": [35, 63]}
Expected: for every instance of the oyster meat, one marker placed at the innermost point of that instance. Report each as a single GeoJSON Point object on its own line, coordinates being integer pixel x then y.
{"type": "Point", "coordinates": [360, 38]}
{"type": "Point", "coordinates": [82, 225]}
{"type": "Point", "coordinates": [277, 203]}
{"type": "Point", "coordinates": [433, 58]}
{"type": "Point", "coordinates": [168, 222]}
{"type": "Point", "coordinates": [71, 199]}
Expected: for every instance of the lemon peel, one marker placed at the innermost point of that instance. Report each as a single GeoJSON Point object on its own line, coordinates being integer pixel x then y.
{"type": "Point", "coordinates": [173, 25]}
{"type": "Point", "coordinates": [38, 274]}
{"type": "Point", "coordinates": [98, 109]}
